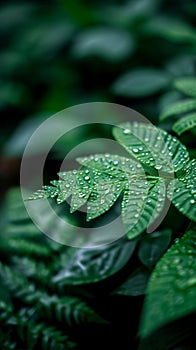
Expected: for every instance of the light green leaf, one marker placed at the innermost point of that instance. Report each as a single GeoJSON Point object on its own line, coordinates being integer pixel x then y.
{"type": "Point", "coordinates": [171, 292]}
{"type": "Point", "coordinates": [152, 247]}
{"type": "Point", "coordinates": [152, 207]}
{"type": "Point", "coordinates": [186, 85]}
{"type": "Point", "coordinates": [93, 265]}
{"type": "Point", "coordinates": [186, 123]}
{"type": "Point", "coordinates": [152, 146]}
{"type": "Point", "coordinates": [140, 83]}
{"type": "Point", "coordinates": [182, 191]}
{"type": "Point", "coordinates": [178, 108]}
{"type": "Point", "coordinates": [108, 43]}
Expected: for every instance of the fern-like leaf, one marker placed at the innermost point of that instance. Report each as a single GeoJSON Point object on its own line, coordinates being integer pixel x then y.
{"type": "Point", "coordinates": [68, 309]}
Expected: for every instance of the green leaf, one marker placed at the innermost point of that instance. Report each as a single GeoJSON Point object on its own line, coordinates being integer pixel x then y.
{"type": "Point", "coordinates": [140, 83]}
{"type": "Point", "coordinates": [178, 108]}
{"type": "Point", "coordinates": [182, 191]}
{"type": "Point", "coordinates": [186, 123]}
{"type": "Point", "coordinates": [186, 85]}
{"type": "Point", "coordinates": [93, 265]}
{"type": "Point", "coordinates": [108, 43]}
{"type": "Point", "coordinates": [153, 246]}
{"type": "Point", "coordinates": [150, 208]}
{"type": "Point", "coordinates": [171, 292]}
{"type": "Point", "coordinates": [68, 309]}
{"type": "Point", "coordinates": [152, 146]}
{"type": "Point", "coordinates": [135, 284]}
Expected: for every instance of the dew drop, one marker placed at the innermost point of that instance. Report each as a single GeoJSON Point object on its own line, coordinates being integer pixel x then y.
{"type": "Point", "coordinates": [86, 178]}
{"type": "Point", "coordinates": [126, 131]}
{"type": "Point", "coordinates": [192, 201]}
{"type": "Point", "coordinates": [135, 150]}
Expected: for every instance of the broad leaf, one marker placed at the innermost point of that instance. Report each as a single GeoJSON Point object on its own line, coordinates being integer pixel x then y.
{"type": "Point", "coordinates": [152, 146]}
{"type": "Point", "coordinates": [140, 83]}
{"type": "Point", "coordinates": [93, 265]}
{"type": "Point", "coordinates": [186, 123]}
{"type": "Point", "coordinates": [178, 108]}
{"type": "Point", "coordinates": [182, 191]}
{"type": "Point", "coordinates": [171, 292]}
{"type": "Point", "coordinates": [153, 246]}
{"type": "Point", "coordinates": [186, 85]}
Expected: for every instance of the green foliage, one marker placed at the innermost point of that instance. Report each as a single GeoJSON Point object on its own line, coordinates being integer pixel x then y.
{"type": "Point", "coordinates": [137, 53]}
{"type": "Point", "coordinates": [171, 292]}
{"type": "Point", "coordinates": [186, 123]}
{"type": "Point", "coordinates": [140, 83]}
{"type": "Point", "coordinates": [105, 176]}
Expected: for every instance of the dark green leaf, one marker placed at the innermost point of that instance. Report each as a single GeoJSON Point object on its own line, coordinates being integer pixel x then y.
{"type": "Point", "coordinates": [135, 284]}
{"type": "Point", "coordinates": [171, 292]}
{"type": "Point", "coordinates": [93, 265]}
{"type": "Point", "coordinates": [152, 247]}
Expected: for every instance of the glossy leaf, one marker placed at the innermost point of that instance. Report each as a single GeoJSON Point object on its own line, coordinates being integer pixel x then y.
{"type": "Point", "coordinates": [171, 292]}
{"type": "Point", "coordinates": [178, 108]}
{"type": "Point", "coordinates": [152, 146]}
{"type": "Point", "coordinates": [140, 83]}
{"type": "Point", "coordinates": [186, 85]}
{"type": "Point", "coordinates": [182, 191]}
{"type": "Point", "coordinates": [184, 124]}
{"type": "Point", "coordinates": [151, 208]}
{"type": "Point", "coordinates": [93, 265]}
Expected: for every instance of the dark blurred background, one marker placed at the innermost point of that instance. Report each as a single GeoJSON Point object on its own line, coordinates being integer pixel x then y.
{"type": "Point", "coordinates": [59, 53]}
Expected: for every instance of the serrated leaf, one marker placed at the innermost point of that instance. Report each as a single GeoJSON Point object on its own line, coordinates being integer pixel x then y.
{"type": "Point", "coordinates": [103, 197]}
{"type": "Point", "coordinates": [140, 83]}
{"type": "Point", "coordinates": [132, 206]}
{"type": "Point", "coordinates": [152, 146]}
{"type": "Point", "coordinates": [171, 292]}
{"type": "Point", "coordinates": [153, 246]}
{"type": "Point", "coordinates": [178, 108]}
{"type": "Point", "coordinates": [182, 191]}
{"type": "Point", "coordinates": [93, 265]}
{"type": "Point", "coordinates": [186, 123]}
{"type": "Point", "coordinates": [186, 85]}
{"type": "Point", "coordinates": [135, 284]}
{"type": "Point", "coordinates": [151, 208]}
{"type": "Point", "coordinates": [112, 165]}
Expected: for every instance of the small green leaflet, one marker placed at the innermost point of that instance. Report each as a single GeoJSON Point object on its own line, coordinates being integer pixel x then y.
{"type": "Point", "coordinates": [186, 85]}
{"type": "Point", "coordinates": [182, 191]}
{"type": "Point", "coordinates": [171, 292]}
{"type": "Point", "coordinates": [178, 108]}
{"type": "Point", "coordinates": [153, 200]}
{"type": "Point", "coordinates": [184, 124]}
{"type": "Point", "coordinates": [152, 146]}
